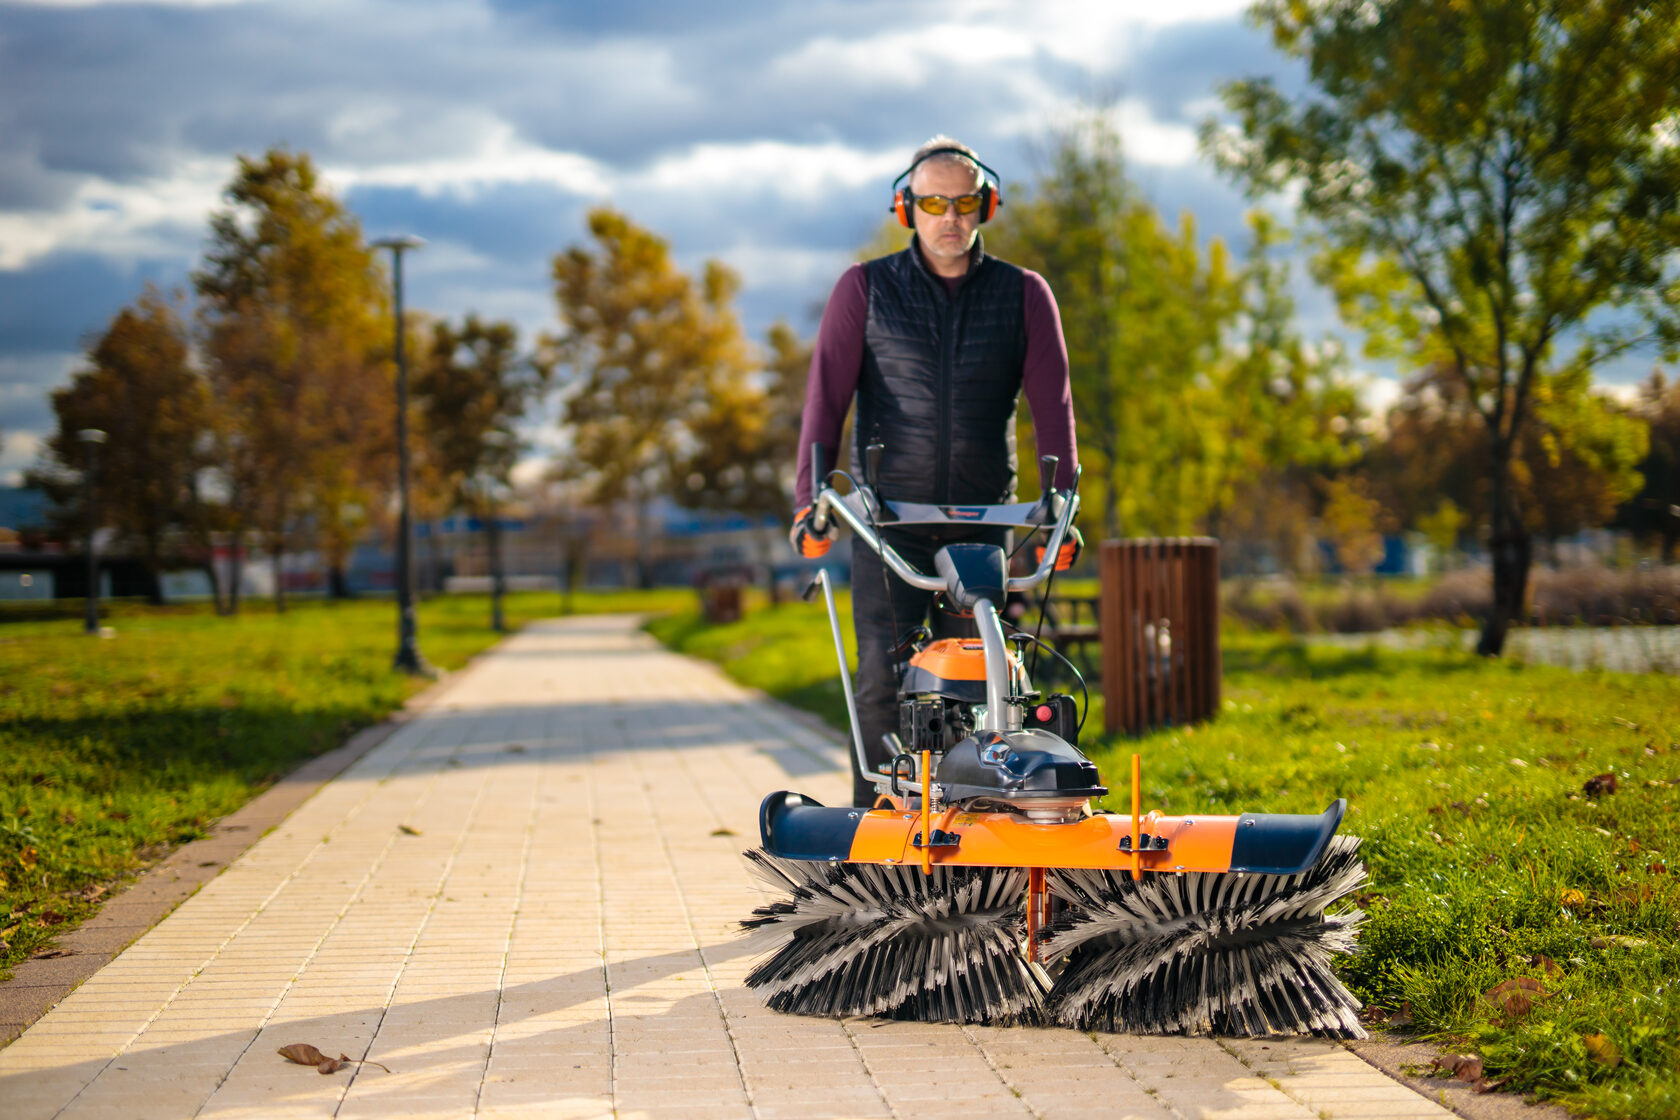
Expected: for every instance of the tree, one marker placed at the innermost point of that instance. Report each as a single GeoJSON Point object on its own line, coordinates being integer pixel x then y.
{"type": "Point", "coordinates": [744, 441]}
{"type": "Point", "coordinates": [1655, 510]}
{"type": "Point", "coordinates": [1188, 375]}
{"type": "Point", "coordinates": [646, 347]}
{"type": "Point", "coordinates": [293, 305]}
{"type": "Point", "coordinates": [139, 387]}
{"type": "Point", "coordinates": [1441, 526]}
{"type": "Point", "coordinates": [1353, 521]}
{"type": "Point", "coordinates": [1580, 460]}
{"type": "Point", "coordinates": [471, 390]}
{"type": "Point", "coordinates": [1494, 181]}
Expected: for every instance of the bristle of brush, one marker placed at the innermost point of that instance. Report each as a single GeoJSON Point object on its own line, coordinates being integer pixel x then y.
{"type": "Point", "coordinates": [1206, 953]}
{"type": "Point", "coordinates": [865, 939]}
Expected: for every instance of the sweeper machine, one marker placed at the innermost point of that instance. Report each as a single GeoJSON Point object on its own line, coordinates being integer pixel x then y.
{"type": "Point", "coordinates": [983, 888]}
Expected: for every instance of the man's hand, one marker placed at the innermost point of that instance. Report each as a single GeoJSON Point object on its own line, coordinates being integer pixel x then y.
{"type": "Point", "coordinates": [806, 540]}
{"type": "Point", "coordinates": [1072, 545]}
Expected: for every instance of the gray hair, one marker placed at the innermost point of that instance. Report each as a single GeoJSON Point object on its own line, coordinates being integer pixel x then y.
{"type": "Point", "coordinates": [960, 155]}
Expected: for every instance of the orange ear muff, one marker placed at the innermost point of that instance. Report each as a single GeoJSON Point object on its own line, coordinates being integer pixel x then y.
{"type": "Point", "coordinates": [990, 199]}
{"type": "Point", "coordinates": [903, 200]}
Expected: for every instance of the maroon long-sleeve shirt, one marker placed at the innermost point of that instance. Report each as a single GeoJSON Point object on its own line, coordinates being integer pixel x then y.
{"type": "Point", "coordinates": [838, 362]}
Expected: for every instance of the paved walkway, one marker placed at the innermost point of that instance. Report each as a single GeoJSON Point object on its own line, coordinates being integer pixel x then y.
{"type": "Point", "coordinates": [523, 904]}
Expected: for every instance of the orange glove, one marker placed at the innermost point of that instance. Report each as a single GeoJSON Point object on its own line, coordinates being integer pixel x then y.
{"type": "Point", "coordinates": [1072, 545]}
{"type": "Point", "coordinates": [806, 540]}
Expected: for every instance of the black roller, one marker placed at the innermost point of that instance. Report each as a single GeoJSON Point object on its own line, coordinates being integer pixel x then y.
{"type": "Point", "coordinates": [864, 939]}
{"type": "Point", "coordinates": [1206, 952]}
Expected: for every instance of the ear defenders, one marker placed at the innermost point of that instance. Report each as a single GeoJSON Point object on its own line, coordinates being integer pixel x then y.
{"type": "Point", "coordinates": [991, 190]}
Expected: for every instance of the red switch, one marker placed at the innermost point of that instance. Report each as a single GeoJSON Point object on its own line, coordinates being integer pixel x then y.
{"type": "Point", "coordinates": [1043, 714]}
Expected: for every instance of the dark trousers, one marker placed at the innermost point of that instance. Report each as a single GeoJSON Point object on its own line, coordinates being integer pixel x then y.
{"type": "Point", "coordinates": [884, 609]}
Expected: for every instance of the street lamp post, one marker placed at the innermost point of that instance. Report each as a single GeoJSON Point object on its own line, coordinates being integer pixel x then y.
{"type": "Point", "coordinates": [90, 439]}
{"type": "Point", "coordinates": [408, 659]}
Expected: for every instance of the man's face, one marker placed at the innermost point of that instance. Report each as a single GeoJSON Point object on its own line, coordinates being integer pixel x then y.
{"type": "Point", "coordinates": [950, 235]}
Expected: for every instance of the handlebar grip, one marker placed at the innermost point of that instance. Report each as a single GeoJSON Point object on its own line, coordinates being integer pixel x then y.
{"type": "Point", "coordinates": [819, 477]}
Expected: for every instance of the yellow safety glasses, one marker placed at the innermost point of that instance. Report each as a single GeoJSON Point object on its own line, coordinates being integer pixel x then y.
{"type": "Point", "coordinates": [937, 204]}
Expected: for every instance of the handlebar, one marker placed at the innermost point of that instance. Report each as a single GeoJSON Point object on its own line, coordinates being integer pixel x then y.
{"type": "Point", "coordinates": [1062, 504]}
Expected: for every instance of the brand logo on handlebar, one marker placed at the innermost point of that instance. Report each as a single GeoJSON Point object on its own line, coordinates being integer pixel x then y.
{"type": "Point", "coordinates": [963, 513]}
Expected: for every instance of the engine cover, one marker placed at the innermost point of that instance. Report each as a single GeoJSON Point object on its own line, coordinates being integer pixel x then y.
{"type": "Point", "coordinates": [1019, 767]}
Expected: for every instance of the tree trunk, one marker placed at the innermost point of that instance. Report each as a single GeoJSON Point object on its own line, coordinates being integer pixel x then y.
{"type": "Point", "coordinates": [493, 533]}
{"type": "Point", "coordinates": [215, 578]}
{"type": "Point", "coordinates": [767, 550]}
{"type": "Point", "coordinates": [236, 568]}
{"type": "Point", "coordinates": [571, 564]}
{"type": "Point", "coordinates": [278, 552]}
{"type": "Point", "coordinates": [338, 583]}
{"type": "Point", "coordinates": [1513, 554]}
{"type": "Point", "coordinates": [644, 545]}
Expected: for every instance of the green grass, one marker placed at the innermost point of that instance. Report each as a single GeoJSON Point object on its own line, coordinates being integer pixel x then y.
{"type": "Point", "coordinates": [113, 750]}
{"type": "Point", "coordinates": [1465, 777]}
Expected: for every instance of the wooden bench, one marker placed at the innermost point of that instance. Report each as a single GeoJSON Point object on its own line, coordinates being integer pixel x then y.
{"type": "Point", "coordinates": [1071, 625]}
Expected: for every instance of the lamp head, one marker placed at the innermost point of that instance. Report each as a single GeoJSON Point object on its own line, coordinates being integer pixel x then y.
{"type": "Point", "coordinates": [91, 435]}
{"type": "Point", "coordinates": [399, 243]}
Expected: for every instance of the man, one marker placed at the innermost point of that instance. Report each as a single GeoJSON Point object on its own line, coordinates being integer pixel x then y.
{"type": "Point", "coordinates": [935, 343]}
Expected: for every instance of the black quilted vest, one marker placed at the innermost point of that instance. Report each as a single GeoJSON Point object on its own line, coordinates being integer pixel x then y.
{"type": "Point", "coordinates": [940, 377]}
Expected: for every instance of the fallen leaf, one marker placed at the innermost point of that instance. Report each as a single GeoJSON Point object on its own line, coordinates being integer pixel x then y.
{"type": "Point", "coordinates": [407, 831]}
{"type": "Point", "coordinates": [1617, 941]}
{"type": "Point", "coordinates": [306, 1055]}
{"type": "Point", "coordinates": [53, 954]}
{"type": "Point", "coordinates": [1516, 997]}
{"type": "Point", "coordinates": [1600, 784]}
{"type": "Point", "coordinates": [1601, 1050]}
{"type": "Point", "coordinates": [723, 832]}
{"type": "Point", "coordinates": [517, 748]}
{"type": "Point", "coordinates": [302, 1053]}
{"type": "Point", "coordinates": [1465, 1067]}
{"type": "Point", "coordinates": [1546, 965]}
{"type": "Point", "coordinates": [1633, 845]}
{"type": "Point", "coordinates": [1402, 1017]}
{"type": "Point", "coordinates": [1572, 898]}
{"type": "Point", "coordinates": [50, 917]}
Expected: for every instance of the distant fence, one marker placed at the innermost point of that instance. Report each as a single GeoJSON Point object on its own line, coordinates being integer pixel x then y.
{"type": "Point", "coordinates": [1159, 620]}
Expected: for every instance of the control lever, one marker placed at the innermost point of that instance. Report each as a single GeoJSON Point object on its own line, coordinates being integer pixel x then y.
{"type": "Point", "coordinates": [1047, 474]}
{"type": "Point", "coordinates": [1047, 489]}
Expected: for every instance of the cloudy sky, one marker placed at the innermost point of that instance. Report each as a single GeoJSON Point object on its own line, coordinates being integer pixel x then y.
{"type": "Point", "coordinates": [763, 132]}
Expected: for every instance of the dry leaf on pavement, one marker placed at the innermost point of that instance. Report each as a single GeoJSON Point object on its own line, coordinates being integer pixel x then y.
{"type": "Point", "coordinates": [1465, 1067]}
{"type": "Point", "coordinates": [306, 1055]}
